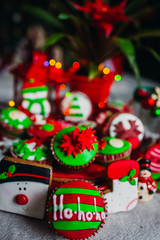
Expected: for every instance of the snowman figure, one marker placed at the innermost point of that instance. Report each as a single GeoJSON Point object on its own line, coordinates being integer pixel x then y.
{"type": "Point", "coordinates": [24, 187]}
{"type": "Point", "coordinates": [124, 177]}
{"type": "Point", "coordinates": [35, 101]}
{"type": "Point", "coordinates": [146, 185]}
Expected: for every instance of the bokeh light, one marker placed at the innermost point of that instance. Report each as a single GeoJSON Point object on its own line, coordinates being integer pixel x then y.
{"type": "Point", "coordinates": [68, 94]}
{"type": "Point", "coordinates": [106, 70]}
{"type": "Point", "coordinates": [11, 103]}
{"type": "Point", "coordinates": [62, 86]}
{"type": "Point", "coordinates": [46, 63]}
{"type": "Point", "coordinates": [58, 65]}
{"type": "Point", "coordinates": [76, 65]}
{"type": "Point", "coordinates": [118, 78]}
{"type": "Point", "coordinates": [101, 104]}
{"type": "Point", "coordinates": [52, 62]}
{"type": "Point", "coordinates": [100, 67]}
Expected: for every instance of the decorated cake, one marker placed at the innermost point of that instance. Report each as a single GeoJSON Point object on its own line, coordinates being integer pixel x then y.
{"type": "Point", "coordinates": [76, 107]}
{"type": "Point", "coordinates": [76, 210]}
{"type": "Point", "coordinates": [113, 149]}
{"type": "Point", "coordinates": [75, 147]}
{"type": "Point", "coordinates": [33, 150]}
{"type": "Point", "coordinates": [14, 120]}
{"type": "Point", "coordinates": [126, 126]}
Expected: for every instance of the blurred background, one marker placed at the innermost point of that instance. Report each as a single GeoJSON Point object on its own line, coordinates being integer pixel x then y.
{"type": "Point", "coordinates": [15, 24]}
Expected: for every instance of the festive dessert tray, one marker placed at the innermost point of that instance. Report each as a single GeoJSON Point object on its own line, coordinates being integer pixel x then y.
{"type": "Point", "coordinates": [72, 170]}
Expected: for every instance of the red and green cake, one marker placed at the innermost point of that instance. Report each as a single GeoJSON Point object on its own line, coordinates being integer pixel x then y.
{"type": "Point", "coordinates": [33, 150]}
{"type": "Point", "coordinates": [75, 147]}
{"type": "Point", "coordinates": [76, 210]}
{"type": "Point", "coordinates": [113, 149]}
{"type": "Point", "coordinates": [14, 121]}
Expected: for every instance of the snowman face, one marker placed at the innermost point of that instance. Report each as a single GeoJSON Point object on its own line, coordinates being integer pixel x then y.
{"type": "Point", "coordinates": [35, 95]}
{"type": "Point", "coordinates": [145, 173]}
{"type": "Point", "coordinates": [25, 198]}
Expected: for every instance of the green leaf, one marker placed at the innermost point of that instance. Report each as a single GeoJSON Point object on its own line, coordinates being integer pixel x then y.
{"type": "Point", "coordinates": [42, 14]}
{"type": "Point", "coordinates": [124, 179]}
{"type": "Point", "coordinates": [53, 39]}
{"type": "Point", "coordinates": [3, 175]}
{"type": "Point", "coordinates": [127, 48]}
{"type": "Point", "coordinates": [11, 169]}
{"type": "Point", "coordinates": [64, 16]}
{"type": "Point", "coordinates": [93, 70]}
{"type": "Point", "coordinates": [133, 182]}
{"type": "Point", "coordinates": [146, 33]}
{"type": "Point", "coordinates": [153, 52]}
{"type": "Point", "coordinates": [132, 172]}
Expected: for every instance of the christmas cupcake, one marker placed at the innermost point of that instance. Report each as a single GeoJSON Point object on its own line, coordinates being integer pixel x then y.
{"type": "Point", "coordinates": [112, 149]}
{"type": "Point", "coordinates": [76, 107]}
{"type": "Point", "coordinates": [35, 101]}
{"type": "Point", "coordinates": [14, 121]}
{"type": "Point", "coordinates": [75, 147]}
{"type": "Point", "coordinates": [125, 126]}
{"type": "Point", "coordinates": [32, 150]}
{"type": "Point", "coordinates": [76, 210]}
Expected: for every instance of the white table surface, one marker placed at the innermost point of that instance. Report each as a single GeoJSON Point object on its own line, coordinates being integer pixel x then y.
{"type": "Point", "coordinates": [141, 223]}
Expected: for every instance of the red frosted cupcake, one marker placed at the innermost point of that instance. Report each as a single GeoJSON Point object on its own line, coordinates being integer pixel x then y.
{"type": "Point", "coordinates": [76, 210]}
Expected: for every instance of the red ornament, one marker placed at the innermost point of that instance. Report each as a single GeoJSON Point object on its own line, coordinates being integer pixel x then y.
{"type": "Point", "coordinates": [142, 93]}
{"type": "Point", "coordinates": [21, 199]}
{"type": "Point", "coordinates": [77, 142]}
{"type": "Point", "coordinates": [148, 103]}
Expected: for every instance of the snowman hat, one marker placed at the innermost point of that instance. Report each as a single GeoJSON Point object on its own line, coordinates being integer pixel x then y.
{"type": "Point", "coordinates": [33, 85]}
{"type": "Point", "coordinates": [18, 171]}
{"type": "Point", "coordinates": [144, 164]}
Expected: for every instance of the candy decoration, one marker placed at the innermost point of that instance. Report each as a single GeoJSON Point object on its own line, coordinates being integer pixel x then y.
{"type": "Point", "coordinates": [76, 210]}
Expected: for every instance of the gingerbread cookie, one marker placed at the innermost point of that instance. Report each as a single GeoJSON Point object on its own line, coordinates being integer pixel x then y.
{"type": "Point", "coordinates": [24, 187]}
{"type": "Point", "coordinates": [76, 210]}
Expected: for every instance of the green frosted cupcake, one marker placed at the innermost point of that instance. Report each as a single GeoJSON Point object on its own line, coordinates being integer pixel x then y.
{"type": "Point", "coordinates": [75, 147]}
{"type": "Point", "coordinates": [113, 149]}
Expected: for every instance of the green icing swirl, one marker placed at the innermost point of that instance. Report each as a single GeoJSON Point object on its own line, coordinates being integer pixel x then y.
{"type": "Point", "coordinates": [109, 149]}
{"type": "Point", "coordinates": [81, 159]}
{"type": "Point", "coordinates": [20, 148]}
{"type": "Point", "coordinates": [5, 115]}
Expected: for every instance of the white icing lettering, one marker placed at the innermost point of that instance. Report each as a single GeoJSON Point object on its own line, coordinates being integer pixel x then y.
{"type": "Point", "coordinates": [89, 216]}
{"type": "Point", "coordinates": [98, 218]}
{"type": "Point", "coordinates": [68, 213]}
{"type": "Point", "coordinates": [61, 207]}
{"type": "Point", "coordinates": [81, 214]}
{"type": "Point", "coordinates": [54, 208]}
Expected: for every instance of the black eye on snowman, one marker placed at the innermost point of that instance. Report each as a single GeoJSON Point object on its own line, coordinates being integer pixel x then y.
{"type": "Point", "coordinates": [20, 189]}
{"type": "Point", "coordinates": [24, 189]}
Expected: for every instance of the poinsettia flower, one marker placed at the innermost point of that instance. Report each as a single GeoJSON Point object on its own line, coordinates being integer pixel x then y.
{"type": "Point", "coordinates": [78, 141]}
{"type": "Point", "coordinates": [104, 15]}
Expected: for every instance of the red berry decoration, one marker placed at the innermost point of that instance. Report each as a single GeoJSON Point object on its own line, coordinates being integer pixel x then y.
{"type": "Point", "coordinates": [148, 103]}
{"type": "Point", "coordinates": [21, 199]}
